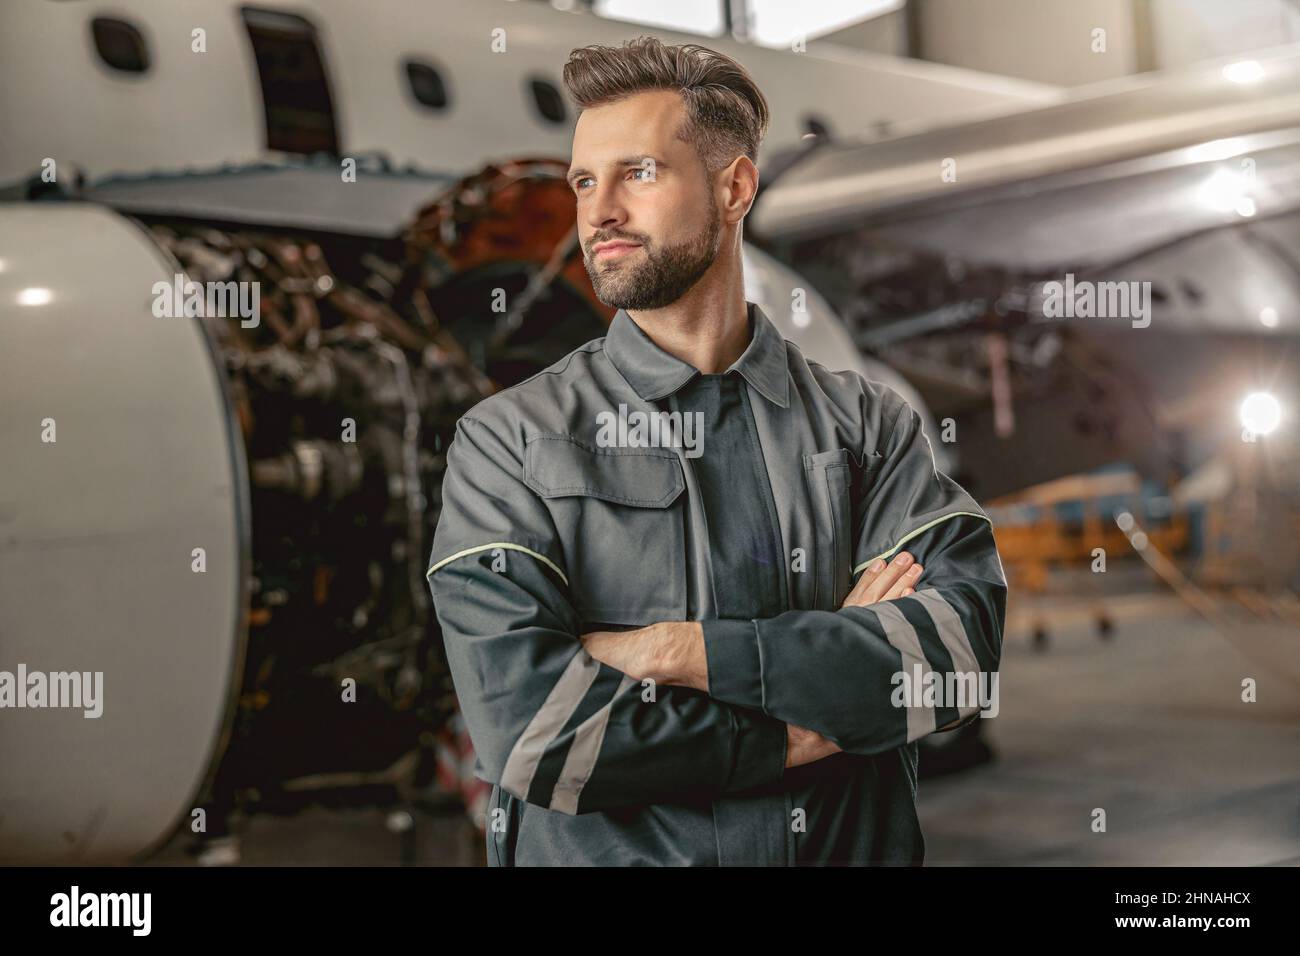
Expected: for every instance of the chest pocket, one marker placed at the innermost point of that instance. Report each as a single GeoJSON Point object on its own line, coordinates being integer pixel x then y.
{"type": "Point", "coordinates": [621, 515]}
{"type": "Point", "coordinates": [838, 488]}
{"type": "Point", "coordinates": [829, 486]}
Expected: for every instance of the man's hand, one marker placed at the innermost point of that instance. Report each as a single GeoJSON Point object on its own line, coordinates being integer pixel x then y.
{"type": "Point", "coordinates": [804, 746]}
{"type": "Point", "coordinates": [884, 582]}
{"type": "Point", "coordinates": [670, 652]}
{"type": "Point", "coordinates": [631, 652]}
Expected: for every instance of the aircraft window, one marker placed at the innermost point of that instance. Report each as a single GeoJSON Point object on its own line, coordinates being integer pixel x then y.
{"type": "Point", "coordinates": [295, 89]}
{"type": "Point", "coordinates": [548, 101]}
{"type": "Point", "coordinates": [426, 85]}
{"type": "Point", "coordinates": [119, 45]}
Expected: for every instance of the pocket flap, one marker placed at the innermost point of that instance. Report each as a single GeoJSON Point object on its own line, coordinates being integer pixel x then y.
{"type": "Point", "coordinates": [556, 466]}
{"type": "Point", "coordinates": [826, 459]}
{"type": "Point", "coordinates": [870, 461]}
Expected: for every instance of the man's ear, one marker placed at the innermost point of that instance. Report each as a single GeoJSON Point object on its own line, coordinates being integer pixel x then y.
{"type": "Point", "coordinates": [741, 180]}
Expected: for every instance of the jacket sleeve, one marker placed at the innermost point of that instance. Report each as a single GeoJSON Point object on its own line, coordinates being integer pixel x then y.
{"type": "Point", "coordinates": [549, 723]}
{"type": "Point", "coordinates": [859, 675]}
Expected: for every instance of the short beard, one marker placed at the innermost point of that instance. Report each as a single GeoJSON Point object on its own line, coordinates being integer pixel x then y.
{"type": "Point", "coordinates": [665, 276]}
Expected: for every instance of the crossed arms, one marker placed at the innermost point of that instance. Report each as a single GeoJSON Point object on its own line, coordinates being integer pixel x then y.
{"type": "Point", "coordinates": [688, 710]}
{"type": "Point", "coordinates": [674, 652]}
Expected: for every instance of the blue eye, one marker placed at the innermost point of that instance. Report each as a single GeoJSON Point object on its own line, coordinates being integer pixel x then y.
{"type": "Point", "coordinates": [649, 177]}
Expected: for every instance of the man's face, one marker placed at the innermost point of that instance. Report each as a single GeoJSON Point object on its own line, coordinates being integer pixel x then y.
{"type": "Point", "coordinates": [637, 184]}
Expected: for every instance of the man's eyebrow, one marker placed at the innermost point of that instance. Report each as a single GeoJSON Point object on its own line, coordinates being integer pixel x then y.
{"type": "Point", "coordinates": [625, 162]}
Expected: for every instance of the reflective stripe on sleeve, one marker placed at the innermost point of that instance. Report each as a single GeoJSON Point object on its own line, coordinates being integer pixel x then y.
{"type": "Point", "coordinates": [912, 534]}
{"type": "Point", "coordinates": [921, 720]}
{"type": "Point", "coordinates": [954, 637]}
{"type": "Point", "coordinates": [500, 544]}
{"type": "Point", "coordinates": [581, 758]}
{"type": "Point", "coordinates": [560, 703]}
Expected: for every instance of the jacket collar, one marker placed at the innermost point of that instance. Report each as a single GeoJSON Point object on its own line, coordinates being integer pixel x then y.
{"type": "Point", "coordinates": [653, 373]}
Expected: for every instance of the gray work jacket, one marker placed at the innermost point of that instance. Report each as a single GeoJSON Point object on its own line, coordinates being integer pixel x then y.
{"type": "Point", "coordinates": [576, 501]}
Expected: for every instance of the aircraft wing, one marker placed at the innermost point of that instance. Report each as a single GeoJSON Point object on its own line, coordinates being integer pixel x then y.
{"type": "Point", "coordinates": [1114, 169]}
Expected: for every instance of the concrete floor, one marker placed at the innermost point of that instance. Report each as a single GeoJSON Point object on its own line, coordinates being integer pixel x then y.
{"type": "Point", "coordinates": [1148, 725]}
{"type": "Point", "coordinates": [326, 837]}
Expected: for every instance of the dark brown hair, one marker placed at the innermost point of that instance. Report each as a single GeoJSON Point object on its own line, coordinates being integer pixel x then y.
{"type": "Point", "coordinates": [726, 113]}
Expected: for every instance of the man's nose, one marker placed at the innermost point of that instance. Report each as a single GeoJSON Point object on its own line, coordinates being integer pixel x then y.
{"type": "Point", "coordinates": [604, 210]}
